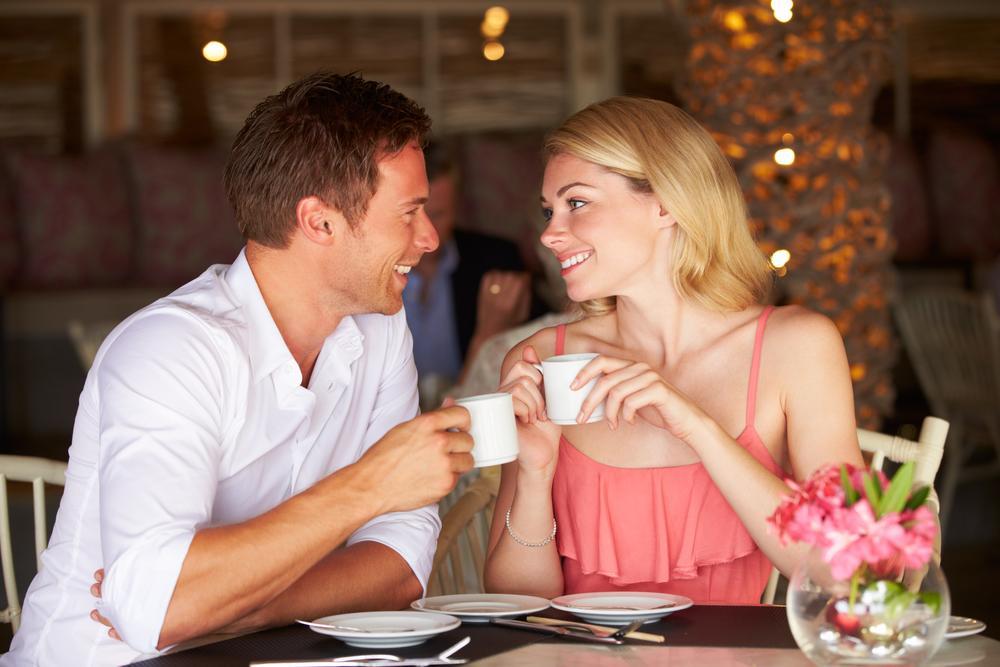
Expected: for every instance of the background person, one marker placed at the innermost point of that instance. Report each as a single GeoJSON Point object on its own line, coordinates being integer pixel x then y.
{"type": "Point", "coordinates": [469, 289]}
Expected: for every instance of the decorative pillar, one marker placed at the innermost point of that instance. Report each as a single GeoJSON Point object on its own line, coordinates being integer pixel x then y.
{"type": "Point", "coordinates": [788, 91]}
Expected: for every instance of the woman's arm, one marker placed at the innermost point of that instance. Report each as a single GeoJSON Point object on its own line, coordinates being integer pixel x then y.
{"type": "Point", "coordinates": [806, 364]}
{"type": "Point", "coordinates": [805, 357]}
{"type": "Point", "coordinates": [526, 489]}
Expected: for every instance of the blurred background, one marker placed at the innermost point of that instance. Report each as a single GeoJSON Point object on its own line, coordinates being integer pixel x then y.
{"type": "Point", "coordinates": [865, 134]}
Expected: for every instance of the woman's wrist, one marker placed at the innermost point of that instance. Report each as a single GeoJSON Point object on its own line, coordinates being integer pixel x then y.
{"type": "Point", "coordinates": [535, 480]}
{"type": "Point", "coordinates": [704, 432]}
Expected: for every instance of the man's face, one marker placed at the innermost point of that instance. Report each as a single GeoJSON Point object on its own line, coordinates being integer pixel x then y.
{"type": "Point", "coordinates": [442, 205]}
{"type": "Point", "coordinates": [391, 238]}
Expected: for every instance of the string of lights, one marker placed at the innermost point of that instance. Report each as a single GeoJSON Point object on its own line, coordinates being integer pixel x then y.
{"type": "Point", "coordinates": [787, 91]}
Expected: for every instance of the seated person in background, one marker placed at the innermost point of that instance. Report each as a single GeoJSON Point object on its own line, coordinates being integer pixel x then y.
{"type": "Point", "coordinates": [472, 287]}
{"type": "Point", "coordinates": [712, 398]}
{"type": "Point", "coordinates": [247, 450]}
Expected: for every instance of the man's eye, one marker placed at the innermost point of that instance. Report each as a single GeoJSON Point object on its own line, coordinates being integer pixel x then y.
{"type": "Point", "coordinates": [546, 214]}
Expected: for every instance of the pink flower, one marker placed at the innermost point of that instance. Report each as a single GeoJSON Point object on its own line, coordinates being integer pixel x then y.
{"type": "Point", "coordinates": [816, 513]}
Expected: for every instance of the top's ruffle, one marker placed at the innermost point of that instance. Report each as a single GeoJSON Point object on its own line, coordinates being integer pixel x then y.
{"type": "Point", "coordinates": [635, 525]}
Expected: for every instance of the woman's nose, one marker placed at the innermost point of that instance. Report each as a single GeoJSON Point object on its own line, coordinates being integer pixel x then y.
{"type": "Point", "coordinates": [553, 234]}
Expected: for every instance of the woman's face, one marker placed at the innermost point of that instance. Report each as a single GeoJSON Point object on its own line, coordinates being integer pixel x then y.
{"type": "Point", "coordinates": [606, 236]}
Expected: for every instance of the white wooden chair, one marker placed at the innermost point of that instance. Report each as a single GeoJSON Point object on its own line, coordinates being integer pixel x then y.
{"type": "Point", "coordinates": [39, 472]}
{"type": "Point", "coordinates": [461, 547]}
{"type": "Point", "coordinates": [926, 453]}
{"type": "Point", "coordinates": [953, 340]}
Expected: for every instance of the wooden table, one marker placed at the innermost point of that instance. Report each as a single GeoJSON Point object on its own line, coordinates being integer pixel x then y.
{"type": "Point", "coordinates": [704, 635]}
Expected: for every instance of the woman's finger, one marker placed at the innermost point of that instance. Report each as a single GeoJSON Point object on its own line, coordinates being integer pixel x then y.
{"type": "Point", "coordinates": [626, 398]}
{"type": "Point", "coordinates": [602, 389]}
{"type": "Point", "coordinates": [597, 366]}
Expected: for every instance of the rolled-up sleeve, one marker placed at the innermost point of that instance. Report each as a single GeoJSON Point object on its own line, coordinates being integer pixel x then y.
{"type": "Point", "coordinates": [413, 534]}
{"type": "Point", "coordinates": [160, 387]}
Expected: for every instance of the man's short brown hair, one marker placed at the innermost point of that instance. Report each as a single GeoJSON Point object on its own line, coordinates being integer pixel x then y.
{"type": "Point", "coordinates": [321, 136]}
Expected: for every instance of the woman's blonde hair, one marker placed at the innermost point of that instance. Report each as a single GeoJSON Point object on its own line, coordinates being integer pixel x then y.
{"type": "Point", "coordinates": [661, 149]}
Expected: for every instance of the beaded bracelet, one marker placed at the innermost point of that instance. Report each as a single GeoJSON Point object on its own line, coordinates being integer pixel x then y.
{"type": "Point", "coordinates": [525, 543]}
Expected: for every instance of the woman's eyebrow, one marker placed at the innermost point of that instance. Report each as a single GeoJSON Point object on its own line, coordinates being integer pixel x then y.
{"type": "Point", "coordinates": [560, 191]}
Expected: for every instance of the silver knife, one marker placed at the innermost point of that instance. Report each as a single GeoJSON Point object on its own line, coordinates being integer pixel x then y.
{"type": "Point", "coordinates": [555, 630]}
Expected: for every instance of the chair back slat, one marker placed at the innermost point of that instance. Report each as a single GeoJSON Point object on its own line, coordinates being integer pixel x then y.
{"type": "Point", "coordinates": [38, 472]}
{"type": "Point", "coordinates": [41, 519]}
{"type": "Point", "coordinates": [460, 552]}
{"type": "Point", "coordinates": [12, 614]}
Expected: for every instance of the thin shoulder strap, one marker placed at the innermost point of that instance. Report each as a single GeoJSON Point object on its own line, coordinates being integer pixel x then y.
{"type": "Point", "coordinates": [560, 338]}
{"type": "Point", "coordinates": [758, 343]}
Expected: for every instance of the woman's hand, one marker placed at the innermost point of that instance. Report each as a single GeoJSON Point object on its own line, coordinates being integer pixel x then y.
{"type": "Point", "coordinates": [538, 437]}
{"type": "Point", "coordinates": [632, 388]}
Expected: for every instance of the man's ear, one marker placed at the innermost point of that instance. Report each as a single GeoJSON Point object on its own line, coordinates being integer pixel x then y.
{"type": "Point", "coordinates": [318, 221]}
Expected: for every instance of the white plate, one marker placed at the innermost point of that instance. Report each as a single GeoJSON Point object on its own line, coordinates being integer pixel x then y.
{"type": "Point", "coordinates": [480, 608]}
{"type": "Point", "coordinates": [621, 608]}
{"type": "Point", "coordinates": [384, 629]}
{"type": "Point", "coordinates": [960, 626]}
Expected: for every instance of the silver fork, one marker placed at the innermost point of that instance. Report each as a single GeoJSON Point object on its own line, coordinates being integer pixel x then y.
{"type": "Point", "coordinates": [620, 633]}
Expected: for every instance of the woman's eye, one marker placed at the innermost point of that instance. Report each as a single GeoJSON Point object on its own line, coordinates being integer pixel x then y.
{"type": "Point", "coordinates": [546, 214]}
{"type": "Point", "coordinates": [576, 203]}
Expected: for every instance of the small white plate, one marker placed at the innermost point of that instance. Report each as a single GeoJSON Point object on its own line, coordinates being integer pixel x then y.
{"type": "Point", "coordinates": [621, 608]}
{"type": "Point", "coordinates": [384, 629]}
{"type": "Point", "coordinates": [480, 608]}
{"type": "Point", "coordinates": [960, 626]}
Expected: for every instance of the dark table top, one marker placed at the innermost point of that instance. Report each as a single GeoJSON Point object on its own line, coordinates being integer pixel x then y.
{"type": "Point", "coordinates": [704, 625]}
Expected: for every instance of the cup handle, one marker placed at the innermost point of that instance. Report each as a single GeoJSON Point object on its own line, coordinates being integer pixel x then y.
{"type": "Point", "coordinates": [539, 367]}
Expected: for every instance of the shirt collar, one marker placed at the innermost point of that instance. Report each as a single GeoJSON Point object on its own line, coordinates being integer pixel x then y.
{"type": "Point", "coordinates": [267, 349]}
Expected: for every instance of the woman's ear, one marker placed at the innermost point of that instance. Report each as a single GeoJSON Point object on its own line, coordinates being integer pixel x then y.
{"type": "Point", "coordinates": [665, 218]}
{"type": "Point", "coordinates": [317, 221]}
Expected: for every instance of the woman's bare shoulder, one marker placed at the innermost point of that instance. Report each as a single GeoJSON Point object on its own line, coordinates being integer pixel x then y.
{"type": "Point", "coordinates": [803, 335]}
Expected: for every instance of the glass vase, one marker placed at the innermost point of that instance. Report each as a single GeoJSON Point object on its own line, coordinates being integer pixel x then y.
{"type": "Point", "coordinates": [881, 615]}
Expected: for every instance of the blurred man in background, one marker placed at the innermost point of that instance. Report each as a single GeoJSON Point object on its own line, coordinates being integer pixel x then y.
{"type": "Point", "coordinates": [471, 288]}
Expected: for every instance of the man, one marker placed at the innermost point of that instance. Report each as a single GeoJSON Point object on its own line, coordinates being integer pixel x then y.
{"type": "Point", "coordinates": [472, 287]}
{"type": "Point", "coordinates": [241, 455]}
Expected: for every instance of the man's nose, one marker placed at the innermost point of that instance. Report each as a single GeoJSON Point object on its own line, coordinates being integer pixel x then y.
{"type": "Point", "coordinates": [426, 237]}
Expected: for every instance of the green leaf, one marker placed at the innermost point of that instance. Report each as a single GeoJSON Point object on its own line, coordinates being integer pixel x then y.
{"type": "Point", "coordinates": [895, 605]}
{"type": "Point", "coordinates": [899, 489]}
{"type": "Point", "coordinates": [932, 599]}
{"type": "Point", "coordinates": [850, 493]}
{"type": "Point", "coordinates": [872, 492]}
{"type": "Point", "coordinates": [918, 498]}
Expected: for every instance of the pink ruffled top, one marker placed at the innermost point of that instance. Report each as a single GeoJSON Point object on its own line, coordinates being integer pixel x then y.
{"type": "Point", "coordinates": [658, 529]}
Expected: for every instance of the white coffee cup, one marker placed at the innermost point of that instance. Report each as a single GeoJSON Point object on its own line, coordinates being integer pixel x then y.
{"type": "Point", "coordinates": [562, 404]}
{"type": "Point", "coordinates": [494, 429]}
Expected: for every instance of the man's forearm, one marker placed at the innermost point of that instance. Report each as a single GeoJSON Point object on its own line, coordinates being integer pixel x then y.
{"type": "Point", "coordinates": [366, 576]}
{"type": "Point", "coordinates": [231, 571]}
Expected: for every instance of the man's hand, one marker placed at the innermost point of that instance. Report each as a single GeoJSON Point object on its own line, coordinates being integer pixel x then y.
{"type": "Point", "coordinates": [95, 590]}
{"type": "Point", "coordinates": [419, 461]}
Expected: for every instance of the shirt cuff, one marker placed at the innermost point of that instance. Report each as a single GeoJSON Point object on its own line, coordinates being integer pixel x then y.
{"type": "Point", "coordinates": [413, 535]}
{"type": "Point", "coordinates": [138, 586]}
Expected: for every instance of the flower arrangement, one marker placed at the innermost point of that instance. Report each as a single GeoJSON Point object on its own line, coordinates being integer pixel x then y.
{"type": "Point", "coordinates": [860, 518]}
{"type": "Point", "coordinates": [869, 531]}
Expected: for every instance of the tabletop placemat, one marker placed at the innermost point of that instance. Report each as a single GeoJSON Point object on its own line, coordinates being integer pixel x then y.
{"type": "Point", "coordinates": [294, 642]}
{"type": "Point", "coordinates": [701, 625]}
{"type": "Point", "coordinates": [720, 626]}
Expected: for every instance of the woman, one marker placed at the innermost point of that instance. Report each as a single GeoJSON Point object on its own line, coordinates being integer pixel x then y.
{"type": "Point", "coordinates": [712, 399]}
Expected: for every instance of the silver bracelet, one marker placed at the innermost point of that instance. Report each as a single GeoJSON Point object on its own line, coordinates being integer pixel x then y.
{"type": "Point", "coordinates": [525, 543]}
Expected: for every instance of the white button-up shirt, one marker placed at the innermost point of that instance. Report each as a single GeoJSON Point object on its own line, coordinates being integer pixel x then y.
{"type": "Point", "coordinates": [193, 415]}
